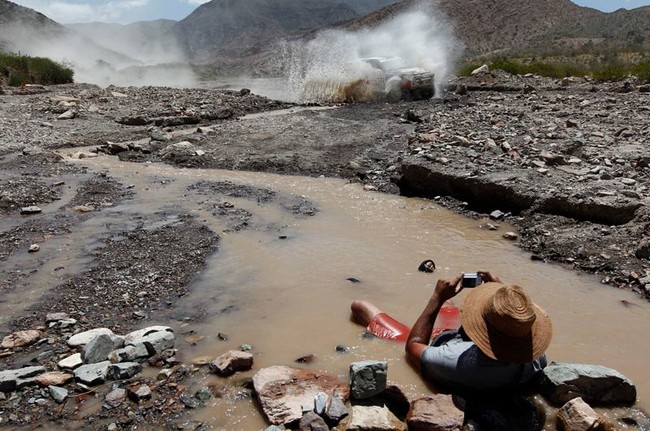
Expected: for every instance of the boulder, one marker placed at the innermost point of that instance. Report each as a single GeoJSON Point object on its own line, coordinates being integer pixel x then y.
{"type": "Point", "coordinates": [54, 378]}
{"type": "Point", "coordinates": [139, 392]}
{"type": "Point", "coordinates": [21, 338]}
{"type": "Point", "coordinates": [283, 391]}
{"type": "Point", "coordinates": [123, 371]}
{"type": "Point", "coordinates": [368, 378]}
{"type": "Point", "coordinates": [83, 338]}
{"type": "Point", "coordinates": [58, 394]}
{"type": "Point", "coordinates": [480, 70]}
{"type": "Point", "coordinates": [116, 397]}
{"type": "Point", "coordinates": [154, 338]}
{"type": "Point", "coordinates": [98, 349]}
{"type": "Point", "coordinates": [576, 415]}
{"type": "Point", "coordinates": [595, 384]}
{"type": "Point", "coordinates": [71, 362]}
{"type": "Point", "coordinates": [30, 210]}
{"type": "Point", "coordinates": [643, 249]}
{"type": "Point", "coordinates": [312, 422]}
{"type": "Point", "coordinates": [434, 413]}
{"type": "Point", "coordinates": [92, 374]}
{"type": "Point", "coordinates": [178, 149]}
{"type": "Point", "coordinates": [10, 380]}
{"type": "Point", "coordinates": [231, 362]}
{"type": "Point", "coordinates": [129, 353]}
{"type": "Point", "coordinates": [374, 418]}
{"type": "Point", "coordinates": [68, 115]}
{"type": "Point", "coordinates": [336, 410]}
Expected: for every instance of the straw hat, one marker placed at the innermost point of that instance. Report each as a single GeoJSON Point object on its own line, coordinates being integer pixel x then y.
{"type": "Point", "coordinates": [505, 324]}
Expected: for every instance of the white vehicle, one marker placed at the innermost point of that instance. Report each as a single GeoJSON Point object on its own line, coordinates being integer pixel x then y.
{"type": "Point", "coordinates": [403, 83]}
{"type": "Point", "coordinates": [372, 79]}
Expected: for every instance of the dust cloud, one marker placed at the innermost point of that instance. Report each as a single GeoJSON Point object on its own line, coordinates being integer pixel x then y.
{"type": "Point", "coordinates": [422, 37]}
{"type": "Point", "coordinates": [99, 59]}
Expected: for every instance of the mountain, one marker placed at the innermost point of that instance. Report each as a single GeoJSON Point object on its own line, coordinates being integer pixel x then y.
{"type": "Point", "coordinates": [488, 26]}
{"type": "Point", "coordinates": [151, 42]}
{"type": "Point", "coordinates": [31, 33]}
{"type": "Point", "coordinates": [223, 30]}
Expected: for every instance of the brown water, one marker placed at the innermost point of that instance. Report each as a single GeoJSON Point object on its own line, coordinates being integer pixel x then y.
{"type": "Point", "coordinates": [289, 298]}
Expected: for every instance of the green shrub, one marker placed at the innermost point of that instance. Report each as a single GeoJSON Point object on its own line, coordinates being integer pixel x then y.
{"type": "Point", "coordinates": [607, 67]}
{"type": "Point", "coordinates": [19, 69]}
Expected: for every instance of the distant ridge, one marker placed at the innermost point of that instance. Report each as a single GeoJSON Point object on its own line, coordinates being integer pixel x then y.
{"type": "Point", "coordinates": [231, 29]}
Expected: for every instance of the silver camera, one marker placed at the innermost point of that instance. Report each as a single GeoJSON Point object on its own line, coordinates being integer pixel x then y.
{"type": "Point", "coordinates": [471, 279]}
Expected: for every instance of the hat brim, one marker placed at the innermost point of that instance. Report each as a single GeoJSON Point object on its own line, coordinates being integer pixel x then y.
{"type": "Point", "coordinates": [497, 345]}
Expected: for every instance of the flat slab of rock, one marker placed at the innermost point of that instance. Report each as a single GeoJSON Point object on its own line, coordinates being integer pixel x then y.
{"type": "Point", "coordinates": [54, 378]}
{"type": "Point", "coordinates": [10, 380]}
{"type": "Point", "coordinates": [374, 418]}
{"type": "Point", "coordinates": [21, 338]}
{"type": "Point", "coordinates": [92, 374]}
{"type": "Point", "coordinates": [434, 413]}
{"type": "Point", "coordinates": [123, 371]}
{"type": "Point", "coordinates": [595, 384]}
{"type": "Point", "coordinates": [155, 339]}
{"type": "Point", "coordinates": [231, 362]}
{"type": "Point", "coordinates": [283, 391]}
{"type": "Point", "coordinates": [71, 362]}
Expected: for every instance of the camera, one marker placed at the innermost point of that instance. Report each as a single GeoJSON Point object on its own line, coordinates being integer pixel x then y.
{"type": "Point", "coordinates": [471, 279]}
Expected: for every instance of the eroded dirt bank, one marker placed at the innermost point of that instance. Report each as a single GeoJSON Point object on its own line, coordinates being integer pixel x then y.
{"type": "Point", "coordinates": [565, 162]}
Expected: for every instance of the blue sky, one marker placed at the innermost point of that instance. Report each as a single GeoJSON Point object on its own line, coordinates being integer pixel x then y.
{"type": "Point", "coordinates": [125, 11]}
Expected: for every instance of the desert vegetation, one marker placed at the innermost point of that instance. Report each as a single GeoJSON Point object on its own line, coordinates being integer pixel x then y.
{"type": "Point", "coordinates": [599, 67]}
{"type": "Point", "coordinates": [17, 69]}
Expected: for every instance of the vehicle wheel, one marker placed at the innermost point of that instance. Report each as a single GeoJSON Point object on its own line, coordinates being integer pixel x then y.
{"type": "Point", "coordinates": [423, 94]}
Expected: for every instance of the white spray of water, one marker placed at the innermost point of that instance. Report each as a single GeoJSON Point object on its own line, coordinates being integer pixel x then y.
{"type": "Point", "coordinates": [422, 37]}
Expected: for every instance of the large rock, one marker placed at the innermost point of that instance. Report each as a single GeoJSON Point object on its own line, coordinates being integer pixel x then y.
{"type": "Point", "coordinates": [129, 353]}
{"type": "Point", "coordinates": [98, 349]}
{"type": "Point", "coordinates": [21, 338]}
{"type": "Point", "coordinates": [71, 362]}
{"type": "Point", "coordinates": [434, 413]}
{"type": "Point", "coordinates": [368, 378]}
{"type": "Point", "coordinates": [576, 415]}
{"type": "Point", "coordinates": [374, 418]}
{"type": "Point", "coordinates": [54, 378]}
{"type": "Point", "coordinates": [92, 374]}
{"type": "Point", "coordinates": [123, 371]}
{"type": "Point", "coordinates": [154, 338]}
{"type": "Point", "coordinates": [83, 338]}
{"type": "Point", "coordinates": [10, 380]}
{"type": "Point", "coordinates": [231, 362]}
{"type": "Point", "coordinates": [595, 384]}
{"type": "Point", "coordinates": [312, 422]}
{"type": "Point", "coordinates": [283, 391]}
{"type": "Point", "coordinates": [58, 394]}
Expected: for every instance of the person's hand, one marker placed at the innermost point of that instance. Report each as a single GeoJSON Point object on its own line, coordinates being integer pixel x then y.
{"type": "Point", "coordinates": [488, 278]}
{"type": "Point", "coordinates": [447, 289]}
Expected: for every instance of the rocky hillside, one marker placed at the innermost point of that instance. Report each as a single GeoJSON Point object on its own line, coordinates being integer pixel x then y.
{"type": "Point", "coordinates": [29, 32]}
{"type": "Point", "coordinates": [18, 22]}
{"type": "Point", "coordinates": [225, 30]}
{"type": "Point", "coordinates": [487, 26]}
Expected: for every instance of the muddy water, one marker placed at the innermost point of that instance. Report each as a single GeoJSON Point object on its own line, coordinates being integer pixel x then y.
{"type": "Point", "coordinates": [290, 297]}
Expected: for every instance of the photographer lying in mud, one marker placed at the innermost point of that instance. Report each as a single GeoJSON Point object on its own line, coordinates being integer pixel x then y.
{"type": "Point", "coordinates": [500, 342]}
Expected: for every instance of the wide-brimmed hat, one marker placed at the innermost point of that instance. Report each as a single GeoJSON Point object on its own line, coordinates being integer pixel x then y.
{"type": "Point", "coordinates": [505, 324]}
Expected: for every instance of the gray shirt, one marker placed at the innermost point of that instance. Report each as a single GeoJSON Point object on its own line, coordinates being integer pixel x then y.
{"type": "Point", "coordinates": [460, 362]}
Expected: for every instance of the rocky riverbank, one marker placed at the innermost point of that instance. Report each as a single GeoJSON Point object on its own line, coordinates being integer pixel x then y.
{"type": "Point", "coordinates": [564, 161]}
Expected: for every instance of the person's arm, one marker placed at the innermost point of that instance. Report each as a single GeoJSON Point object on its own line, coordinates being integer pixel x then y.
{"type": "Point", "coordinates": [418, 339]}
